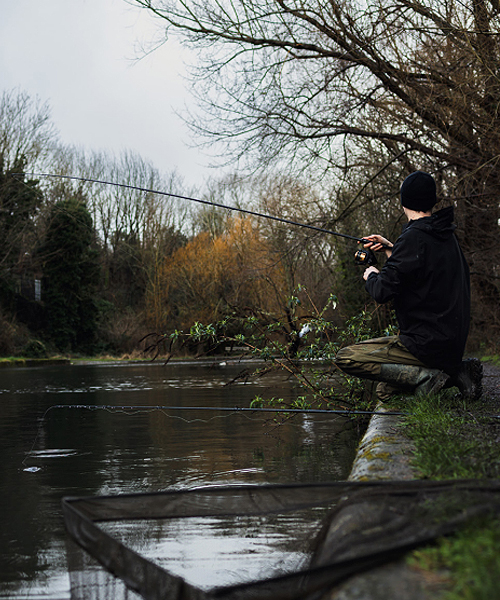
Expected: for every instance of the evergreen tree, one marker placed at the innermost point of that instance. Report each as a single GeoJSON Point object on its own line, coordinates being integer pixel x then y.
{"type": "Point", "coordinates": [71, 277]}
{"type": "Point", "coordinates": [19, 203]}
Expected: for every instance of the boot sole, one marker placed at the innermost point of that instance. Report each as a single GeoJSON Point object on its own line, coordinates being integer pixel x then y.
{"type": "Point", "coordinates": [474, 371]}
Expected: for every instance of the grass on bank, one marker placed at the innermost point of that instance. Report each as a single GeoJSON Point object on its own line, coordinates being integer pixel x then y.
{"type": "Point", "coordinates": [455, 440]}
{"type": "Point", "coordinates": [493, 358]}
{"type": "Point", "coordinates": [468, 562]}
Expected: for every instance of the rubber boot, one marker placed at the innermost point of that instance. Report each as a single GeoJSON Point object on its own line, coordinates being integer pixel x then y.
{"type": "Point", "coordinates": [419, 380]}
{"type": "Point", "coordinates": [469, 379]}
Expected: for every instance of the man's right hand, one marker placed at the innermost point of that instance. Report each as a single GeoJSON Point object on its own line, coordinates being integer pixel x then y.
{"type": "Point", "coordinates": [377, 243]}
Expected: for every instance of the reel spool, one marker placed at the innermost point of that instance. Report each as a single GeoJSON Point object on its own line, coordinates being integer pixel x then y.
{"type": "Point", "coordinates": [365, 257]}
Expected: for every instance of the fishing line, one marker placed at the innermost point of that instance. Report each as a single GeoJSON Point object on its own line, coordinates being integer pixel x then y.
{"type": "Point", "coordinates": [126, 410]}
{"type": "Point", "coordinates": [134, 410]}
{"type": "Point", "coordinates": [206, 202]}
{"type": "Point", "coordinates": [149, 408]}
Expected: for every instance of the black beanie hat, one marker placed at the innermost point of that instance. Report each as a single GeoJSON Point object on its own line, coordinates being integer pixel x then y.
{"type": "Point", "coordinates": [418, 192]}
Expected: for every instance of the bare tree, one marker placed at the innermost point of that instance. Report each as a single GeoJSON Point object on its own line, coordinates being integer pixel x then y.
{"type": "Point", "coordinates": [309, 74]}
{"type": "Point", "coordinates": [26, 129]}
{"type": "Point", "coordinates": [27, 139]}
{"type": "Point", "coordinates": [415, 82]}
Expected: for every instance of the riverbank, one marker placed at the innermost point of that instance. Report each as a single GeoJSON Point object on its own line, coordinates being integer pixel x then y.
{"type": "Point", "coordinates": [441, 440]}
{"type": "Point", "coordinates": [19, 361]}
{"type": "Point", "coordinates": [33, 362]}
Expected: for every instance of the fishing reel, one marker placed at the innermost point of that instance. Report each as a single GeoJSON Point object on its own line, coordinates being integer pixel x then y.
{"type": "Point", "coordinates": [365, 257]}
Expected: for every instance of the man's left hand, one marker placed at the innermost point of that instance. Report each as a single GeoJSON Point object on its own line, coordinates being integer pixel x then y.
{"type": "Point", "coordinates": [369, 270]}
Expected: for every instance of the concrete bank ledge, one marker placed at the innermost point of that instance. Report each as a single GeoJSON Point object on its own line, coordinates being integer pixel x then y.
{"type": "Point", "coordinates": [385, 454]}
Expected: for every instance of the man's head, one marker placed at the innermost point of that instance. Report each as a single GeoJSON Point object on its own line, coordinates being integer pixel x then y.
{"type": "Point", "coordinates": [418, 192]}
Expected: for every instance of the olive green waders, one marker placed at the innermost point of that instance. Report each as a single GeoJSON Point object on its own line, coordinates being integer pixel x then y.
{"type": "Point", "coordinates": [387, 361]}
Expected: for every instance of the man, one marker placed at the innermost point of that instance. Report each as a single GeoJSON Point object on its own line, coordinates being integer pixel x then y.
{"type": "Point", "coordinates": [427, 278]}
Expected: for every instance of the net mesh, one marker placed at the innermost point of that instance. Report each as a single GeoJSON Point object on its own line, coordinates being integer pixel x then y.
{"type": "Point", "coordinates": [90, 581]}
{"type": "Point", "coordinates": [370, 524]}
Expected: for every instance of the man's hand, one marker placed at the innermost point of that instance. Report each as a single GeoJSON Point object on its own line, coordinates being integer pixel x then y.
{"type": "Point", "coordinates": [378, 243]}
{"type": "Point", "coordinates": [369, 270]}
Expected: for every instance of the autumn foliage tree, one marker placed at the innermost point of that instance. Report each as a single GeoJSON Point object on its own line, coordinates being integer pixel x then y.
{"type": "Point", "coordinates": [209, 278]}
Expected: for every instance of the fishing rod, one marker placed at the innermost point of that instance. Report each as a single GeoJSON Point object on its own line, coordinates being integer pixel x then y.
{"type": "Point", "coordinates": [364, 257]}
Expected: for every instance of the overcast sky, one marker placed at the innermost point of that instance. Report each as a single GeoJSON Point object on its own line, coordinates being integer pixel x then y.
{"type": "Point", "coordinates": [81, 57]}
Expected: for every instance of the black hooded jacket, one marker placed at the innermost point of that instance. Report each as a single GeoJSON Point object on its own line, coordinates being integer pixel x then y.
{"type": "Point", "coordinates": [427, 278]}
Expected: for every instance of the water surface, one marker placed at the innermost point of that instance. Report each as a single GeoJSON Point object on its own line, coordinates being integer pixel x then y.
{"type": "Point", "coordinates": [57, 440]}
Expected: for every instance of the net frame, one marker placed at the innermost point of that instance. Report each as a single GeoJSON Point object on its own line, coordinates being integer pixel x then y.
{"type": "Point", "coordinates": [405, 510]}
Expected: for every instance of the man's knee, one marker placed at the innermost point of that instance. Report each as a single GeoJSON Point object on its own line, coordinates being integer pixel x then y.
{"type": "Point", "coordinates": [354, 361]}
{"type": "Point", "coordinates": [343, 358]}
{"type": "Point", "coordinates": [347, 360]}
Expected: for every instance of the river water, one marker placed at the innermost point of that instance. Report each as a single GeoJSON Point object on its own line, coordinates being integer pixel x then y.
{"type": "Point", "coordinates": [66, 431]}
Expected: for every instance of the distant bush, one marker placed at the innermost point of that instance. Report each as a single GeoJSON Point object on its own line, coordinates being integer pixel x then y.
{"type": "Point", "coordinates": [34, 349]}
{"type": "Point", "coordinates": [13, 335]}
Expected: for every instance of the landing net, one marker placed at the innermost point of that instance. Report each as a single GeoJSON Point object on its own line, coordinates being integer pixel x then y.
{"type": "Point", "coordinates": [370, 524]}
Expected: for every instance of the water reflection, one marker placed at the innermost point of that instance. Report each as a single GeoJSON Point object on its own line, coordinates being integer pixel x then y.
{"type": "Point", "coordinates": [47, 454]}
{"type": "Point", "coordinates": [211, 552]}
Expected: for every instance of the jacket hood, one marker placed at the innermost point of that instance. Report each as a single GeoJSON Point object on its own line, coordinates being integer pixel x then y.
{"type": "Point", "coordinates": [439, 225]}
